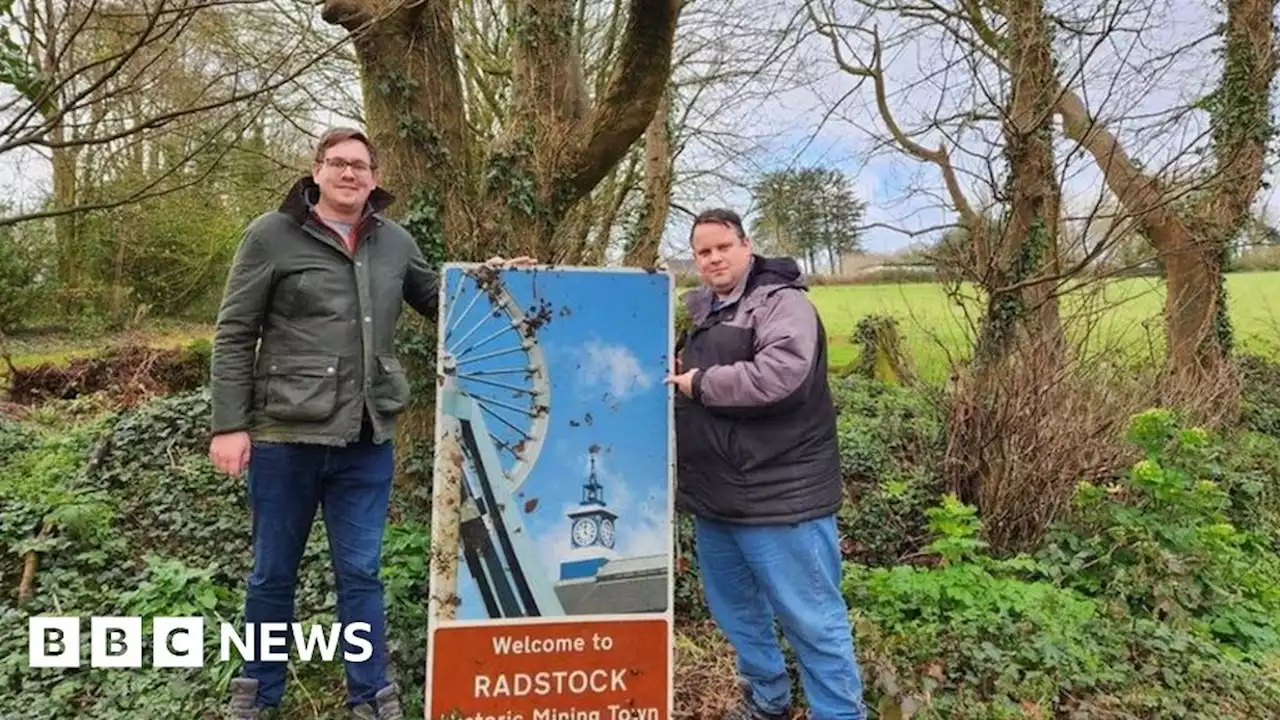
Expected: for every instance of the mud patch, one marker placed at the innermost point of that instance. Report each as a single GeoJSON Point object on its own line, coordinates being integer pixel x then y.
{"type": "Point", "coordinates": [705, 674]}
{"type": "Point", "coordinates": [128, 374]}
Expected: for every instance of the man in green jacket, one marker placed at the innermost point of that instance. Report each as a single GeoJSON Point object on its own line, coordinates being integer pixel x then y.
{"type": "Point", "coordinates": [306, 391]}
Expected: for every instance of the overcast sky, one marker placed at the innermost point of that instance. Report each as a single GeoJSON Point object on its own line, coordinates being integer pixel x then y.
{"type": "Point", "coordinates": [831, 119]}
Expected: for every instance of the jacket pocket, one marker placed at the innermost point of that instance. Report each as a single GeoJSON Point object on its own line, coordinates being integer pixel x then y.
{"type": "Point", "coordinates": [301, 388]}
{"type": "Point", "coordinates": [704, 440]}
{"type": "Point", "coordinates": [391, 388]}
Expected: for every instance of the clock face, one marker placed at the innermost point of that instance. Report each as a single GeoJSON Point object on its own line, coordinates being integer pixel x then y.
{"type": "Point", "coordinates": [584, 532]}
{"type": "Point", "coordinates": [606, 532]}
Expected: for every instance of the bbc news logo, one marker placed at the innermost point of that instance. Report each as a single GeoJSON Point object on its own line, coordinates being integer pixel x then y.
{"type": "Point", "coordinates": [178, 642]}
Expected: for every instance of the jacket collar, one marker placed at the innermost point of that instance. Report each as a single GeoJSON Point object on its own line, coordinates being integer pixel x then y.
{"type": "Point", "coordinates": [300, 202]}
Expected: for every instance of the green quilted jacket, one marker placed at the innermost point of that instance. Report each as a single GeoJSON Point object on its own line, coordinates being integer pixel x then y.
{"type": "Point", "coordinates": [304, 340]}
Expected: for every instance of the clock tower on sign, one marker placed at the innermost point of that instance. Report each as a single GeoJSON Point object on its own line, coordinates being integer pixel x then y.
{"type": "Point", "coordinates": [591, 531]}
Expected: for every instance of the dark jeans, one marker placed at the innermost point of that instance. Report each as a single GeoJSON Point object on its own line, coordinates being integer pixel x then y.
{"type": "Point", "coordinates": [353, 486]}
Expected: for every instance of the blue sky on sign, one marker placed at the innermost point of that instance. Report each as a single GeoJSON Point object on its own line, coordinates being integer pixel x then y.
{"type": "Point", "coordinates": [606, 348]}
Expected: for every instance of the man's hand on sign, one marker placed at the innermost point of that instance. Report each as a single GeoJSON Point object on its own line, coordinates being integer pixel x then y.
{"type": "Point", "coordinates": [683, 382]}
{"type": "Point", "coordinates": [500, 262]}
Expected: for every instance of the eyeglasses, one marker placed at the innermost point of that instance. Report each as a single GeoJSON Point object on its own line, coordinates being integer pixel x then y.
{"type": "Point", "coordinates": [341, 164]}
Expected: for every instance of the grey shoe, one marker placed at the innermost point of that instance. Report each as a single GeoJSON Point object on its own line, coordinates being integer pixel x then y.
{"type": "Point", "coordinates": [388, 703]}
{"type": "Point", "coordinates": [244, 693]}
{"type": "Point", "coordinates": [746, 709]}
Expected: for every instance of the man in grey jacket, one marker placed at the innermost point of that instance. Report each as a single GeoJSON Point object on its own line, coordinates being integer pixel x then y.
{"type": "Point", "coordinates": [759, 468]}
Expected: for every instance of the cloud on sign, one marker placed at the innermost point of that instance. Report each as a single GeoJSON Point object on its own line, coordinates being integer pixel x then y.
{"type": "Point", "coordinates": [614, 368]}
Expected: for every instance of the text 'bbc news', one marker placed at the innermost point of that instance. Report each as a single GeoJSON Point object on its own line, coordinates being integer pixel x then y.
{"type": "Point", "coordinates": [177, 642]}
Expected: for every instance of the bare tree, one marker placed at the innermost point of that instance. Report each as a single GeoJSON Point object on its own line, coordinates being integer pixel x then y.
{"type": "Point", "coordinates": [736, 60]}
{"type": "Point", "coordinates": [556, 141]}
{"type": "Point", "coordinates": [1015, 257]}
{"type": "Point", "coordinates": [1191, 211]}
{"type": "Point", "coordinates": [1026, 414]}
{"type": "Point", "coordinates": [129, 101]}
{"type": "Point", "coordinates": [1192, 223]}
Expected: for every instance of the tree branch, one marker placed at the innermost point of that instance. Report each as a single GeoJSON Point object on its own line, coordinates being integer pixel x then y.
{"type": "Point", "coordinates": [632, 96]}
{"type": "Point", "coordinates": [148, 191]}
{"type": "Point", "coordinates": [37, 136]}
{"type": "Point", "coordinates": [875, 71]}
{"type": "Point", "coordinates": [350, 14]}
{"type": "Point", "coordinates": [1140, 193]}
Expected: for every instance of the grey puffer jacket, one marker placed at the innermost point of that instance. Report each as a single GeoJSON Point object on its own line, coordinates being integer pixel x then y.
{"type": "Point", "coordinates": [756, 444]}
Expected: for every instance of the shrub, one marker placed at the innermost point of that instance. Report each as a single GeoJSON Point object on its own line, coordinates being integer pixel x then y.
{"type": "Point", "coordinates": [1147, 602]}
{"type": "Point", "coordinates": [1260, 394]}
{"type": "Point", "coordinates": [22, 265]}
{"type": "Point", "coordinates": [1160, 545]}
{"type": "Point", "coordinates": [690, 604]}
{"type": "Point", "coordinates": [145, 526]}
{"type": "Point", "coordinates": [890, 447]}
{"type": "Point", "coordinates": [1023, 433]}
{"type": "Point", "coordinates": [1248, 469]}
{"type": "Point", "coordinates": [971, 635]}
{"type": "Point", "coordinates": [1263, 259]}
{"type": "Point", "coordinates": [981, 638]}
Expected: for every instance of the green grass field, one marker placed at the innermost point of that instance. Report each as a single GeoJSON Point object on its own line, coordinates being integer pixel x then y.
{"type": "Point", "coordinates": [1125, 312]}
{"type": "Point", "coordinates": [933, 326]}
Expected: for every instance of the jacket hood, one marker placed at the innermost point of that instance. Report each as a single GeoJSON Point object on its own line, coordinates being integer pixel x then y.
{"type": "Point", "coordinates": [302, 197]}
{"type": "Point", "coordinates": [776, 271]}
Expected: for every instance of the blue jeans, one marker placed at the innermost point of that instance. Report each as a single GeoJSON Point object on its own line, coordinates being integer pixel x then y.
{"type": "Point", "coordinates": [752, 572]}
{"type": "Point", "coordinates": [353, 486]}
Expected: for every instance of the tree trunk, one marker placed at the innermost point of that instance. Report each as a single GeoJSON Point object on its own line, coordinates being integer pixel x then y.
{"type": "Point", "coordinates": [464, 201]}
{"type": "Point", "coordinates": [1021, 333]}
{"type": "Point", "coordinates": [1197, 342]}
{"type": "Point", "coordinates": [415, 115]}
{"type": "Point", "coordinates": [64, 225]}
{"type": "Point", "coordinates": [48, 56]}
{"type": "Point", "coordinates": [1192, 242]}
{"type": "Point", "coordinates": [555, 147]}
{"type": "Point", "coordinates": [1017, 305]}
{"type": "Point", "coordinates": [645, 250]}
{"type": "Point", "coordinates": [1006, 264]}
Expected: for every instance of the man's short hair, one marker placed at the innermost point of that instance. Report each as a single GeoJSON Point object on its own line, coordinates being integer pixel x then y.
{"type": "Point", "coordinates": [719, 216]}
{"type": "Point", "coordinates": [334, 136]}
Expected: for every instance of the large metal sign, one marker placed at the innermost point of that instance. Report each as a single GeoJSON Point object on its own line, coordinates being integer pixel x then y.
{"type": "Point", "coordinates": [552, 503]}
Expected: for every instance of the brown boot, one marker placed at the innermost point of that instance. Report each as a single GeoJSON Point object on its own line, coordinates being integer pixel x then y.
{"type": "Point", "coordinates": [244, 696]}
{"type": "Point", "coordinates": [746, 709]}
